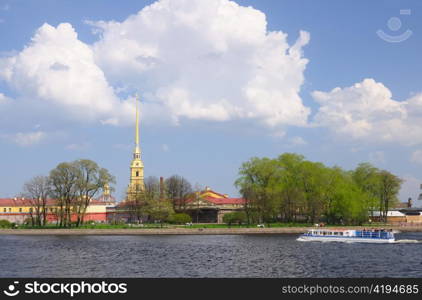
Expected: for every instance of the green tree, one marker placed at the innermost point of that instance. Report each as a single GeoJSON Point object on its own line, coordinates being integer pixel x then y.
{"type": "Point", "coordinates": [159, 210]}
{"type": "Point", "coordinates": [290, 188]}
{"type": "Point", "coordinates": [367, 178]}
{"type": "Point", "coordinates": [90, 179]}
{"type": "Point", "coordinates": [388, 190]}
{"type": "Point", "coordinates": [256, 184]}
{"type": "Point", "coordinates": [63, 180]}
{"type": "Point", "coordinates": [74, 185]}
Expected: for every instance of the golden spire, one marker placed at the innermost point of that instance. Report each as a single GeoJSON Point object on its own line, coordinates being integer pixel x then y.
{"type": "Point", "coordinates": [137, 149]}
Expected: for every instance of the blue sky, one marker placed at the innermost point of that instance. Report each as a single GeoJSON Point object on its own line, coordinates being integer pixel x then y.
{"type": "Point", "coordinates": [204, 82]}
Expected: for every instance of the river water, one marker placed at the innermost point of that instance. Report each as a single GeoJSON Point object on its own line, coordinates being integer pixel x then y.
{"type": "Point", "coordinates": [205, 256]}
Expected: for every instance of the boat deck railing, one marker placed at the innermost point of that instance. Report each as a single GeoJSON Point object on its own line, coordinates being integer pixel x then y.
{"type": "Point", "coordinates": [374, 234]}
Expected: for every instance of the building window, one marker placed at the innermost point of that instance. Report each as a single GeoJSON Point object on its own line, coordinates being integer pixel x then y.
{"type": "Point", "coordinates": [4, 209]}
{"type": "Point", "coordinates": [20, 209]}
{"type": "Point", "coordinates": [30, 209]}
{"type": "Point", "coordinates": [10, 210]}
{"type": "Point", "coordinates": [137, 173]}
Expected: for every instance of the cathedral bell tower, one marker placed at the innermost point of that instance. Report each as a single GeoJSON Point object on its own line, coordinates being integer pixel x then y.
{"type": "Point", "coordinates": [136, 183]}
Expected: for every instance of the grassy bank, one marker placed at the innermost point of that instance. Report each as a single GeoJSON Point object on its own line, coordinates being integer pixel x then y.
{"type": "Point", "coordinates": [159, 226]}
{"type": "Point", "coordinates": [193, 226]}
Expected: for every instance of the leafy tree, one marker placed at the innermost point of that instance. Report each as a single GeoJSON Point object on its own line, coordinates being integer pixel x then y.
{"type": "Point", "coordinates": [256, 184]}
{"type": "Point", "coordinates": [64, 180]}
{"type": "Point", "coordinates": [90, 180]}
{"type": "Point", "coordinates": [74, 184]}
{"type": "Point", "coordinates": [290, 188]}
{"type": "Point", "coordinates": [367, 178]}
{"type": "Point", "coordinates": [388, 189]}
{"type": "Point", "coordinates": [159, 210]}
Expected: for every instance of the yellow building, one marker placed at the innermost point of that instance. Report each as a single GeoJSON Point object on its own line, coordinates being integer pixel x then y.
{"type": "Point", "coordinates": [18, 210]}
{"type": "Point", "coordinates": [136, 181]}
{"type": "Point", "coordinates": [208, 206]}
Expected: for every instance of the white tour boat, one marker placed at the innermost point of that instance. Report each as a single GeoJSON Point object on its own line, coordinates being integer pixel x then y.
{"type": "Point", "coordinates": [348, 235]}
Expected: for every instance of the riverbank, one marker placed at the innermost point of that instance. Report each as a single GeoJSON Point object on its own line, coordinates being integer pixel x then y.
{"type": "Point", "coordinates": [181, 231]}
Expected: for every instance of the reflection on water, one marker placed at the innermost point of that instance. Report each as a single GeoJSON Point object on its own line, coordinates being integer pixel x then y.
{"type": "Point", "coordinates": [204, 256]}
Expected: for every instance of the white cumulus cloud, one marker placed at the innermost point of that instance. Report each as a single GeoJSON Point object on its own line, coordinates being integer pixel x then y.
{"type": "Point", "coordinates": [58, 69]}
{"type": "Point", "coordinates": [198, 59]}
{"type": "Point", "coordinates": [4, 99]}
{"type": "Point", "coordinates": [297, 141]}
{"type": "Point", "coordinates": [27, 138]}
{"type": "Point", "coordinates": [366, 111]}
{"type": "Point", "coordinates": [206, 59]}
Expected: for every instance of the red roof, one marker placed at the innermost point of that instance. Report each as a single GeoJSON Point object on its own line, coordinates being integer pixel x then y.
{"type": "Point", "coordinates": [30, 202]}
{"type": "Point", "coordinates": [20, 202]}
{"type": "Point", "coordinates": [221, 201]}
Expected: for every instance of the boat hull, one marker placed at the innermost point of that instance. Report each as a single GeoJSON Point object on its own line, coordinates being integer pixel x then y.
{"type": "Point", "coordinates": [307, 238]}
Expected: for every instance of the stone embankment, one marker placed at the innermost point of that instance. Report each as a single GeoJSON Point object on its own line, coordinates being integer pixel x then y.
{"type": "Point", "coordinates": [182, 231]}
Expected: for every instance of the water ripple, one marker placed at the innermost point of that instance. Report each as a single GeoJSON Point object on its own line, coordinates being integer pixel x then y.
{"type": "Point", "coordinates": [205, 256]}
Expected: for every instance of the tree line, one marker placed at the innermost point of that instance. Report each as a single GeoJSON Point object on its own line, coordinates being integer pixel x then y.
{"type": "Point", "coordinates": [290, 188]}
{"type": "Point", "coordinates": [72, 185]}
{"type": "Point", "coordinates": [161, 203]}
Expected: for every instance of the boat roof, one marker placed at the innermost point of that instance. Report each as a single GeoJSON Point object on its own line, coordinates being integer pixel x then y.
{"type": "Point", "coordinates": [347, 229]}
{"type": "Point", "coordinates": [331, 229]}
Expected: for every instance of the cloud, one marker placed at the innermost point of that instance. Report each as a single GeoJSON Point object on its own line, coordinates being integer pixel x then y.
{"type": "Point", "coordinates": [78, 146]}
{"type": "Point", "coordinates": [367, 112]}
{"type": "Point", "coordinates": [199, 59]}
{"type": "Point", "coordinates": [25, 139]}
{"type": "Point", "coordinates": [4, 99]}
{"type": "Point", "coordinates": [297, 141]}
{"type": "Point", "coordinates": [205, 60]}
{"type": "Point", "coordinates": [58, 69]}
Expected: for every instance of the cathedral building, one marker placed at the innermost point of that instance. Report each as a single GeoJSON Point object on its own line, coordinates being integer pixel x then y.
{"type": "Point", "coordinates": [136, 181]}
